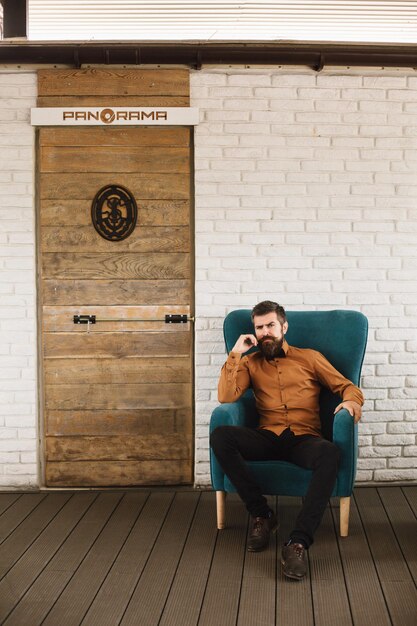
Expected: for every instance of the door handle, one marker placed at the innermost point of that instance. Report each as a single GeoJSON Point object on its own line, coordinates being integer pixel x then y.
{"type": "Point", "coordinates": [173, 318]}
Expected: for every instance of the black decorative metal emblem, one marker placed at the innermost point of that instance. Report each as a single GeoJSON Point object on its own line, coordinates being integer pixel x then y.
{"type": "Point", "coordinates": [114, 212]}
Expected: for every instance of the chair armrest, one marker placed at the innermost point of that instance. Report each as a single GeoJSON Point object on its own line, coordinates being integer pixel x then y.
{"type": "Point", "coordinates": [229, 414]}
{"type": "Point", "coordinates": [345, 436]}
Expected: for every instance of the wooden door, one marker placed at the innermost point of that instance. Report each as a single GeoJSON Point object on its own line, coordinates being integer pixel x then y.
{"type": "Point", "coordinates": [117, 395]}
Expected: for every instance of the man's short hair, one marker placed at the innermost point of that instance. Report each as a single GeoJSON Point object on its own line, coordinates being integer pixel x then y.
{"type": "Point", "coordinates": [267, 306]}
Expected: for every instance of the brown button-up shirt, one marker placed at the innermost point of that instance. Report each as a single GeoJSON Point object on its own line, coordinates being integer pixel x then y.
{"type": "Point", "coordinates": [286, 388]}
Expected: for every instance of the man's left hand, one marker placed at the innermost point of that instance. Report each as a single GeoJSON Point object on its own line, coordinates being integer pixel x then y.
{"type": "Point", "coordinates": [354, 409]}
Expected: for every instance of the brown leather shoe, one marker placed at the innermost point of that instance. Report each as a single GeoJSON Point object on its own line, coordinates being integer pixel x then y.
{"type": "Point", "coordinates": [261, 529]}
{"type": "Point", "coordinates": [294, 561]}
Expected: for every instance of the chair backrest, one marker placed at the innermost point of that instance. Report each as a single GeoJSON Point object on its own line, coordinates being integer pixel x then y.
{"type": "Point", "coordinates": [339, 335]}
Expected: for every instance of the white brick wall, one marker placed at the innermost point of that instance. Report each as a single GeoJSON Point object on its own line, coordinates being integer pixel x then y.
{"type": "Point", "coordinates": [18, 408]}
{"type": "Point", "coordinates": [306, 192]}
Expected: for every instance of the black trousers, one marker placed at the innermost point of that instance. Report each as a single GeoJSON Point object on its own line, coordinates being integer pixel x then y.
{"type": "Point", "coordinates": [234, 445]}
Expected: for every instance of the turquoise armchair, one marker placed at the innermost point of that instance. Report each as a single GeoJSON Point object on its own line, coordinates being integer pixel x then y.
{"type": "Point", "coordinates": [341, 336]}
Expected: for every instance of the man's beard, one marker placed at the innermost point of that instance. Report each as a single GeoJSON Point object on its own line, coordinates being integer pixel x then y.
{"type": "Point", "coordinates": [271, 347]}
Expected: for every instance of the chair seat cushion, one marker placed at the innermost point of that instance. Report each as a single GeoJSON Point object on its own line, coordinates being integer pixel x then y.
{"type": "Point", "coordinates": [280, 478]}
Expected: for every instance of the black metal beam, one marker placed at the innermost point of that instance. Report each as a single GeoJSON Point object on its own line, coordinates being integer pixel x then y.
{"type": "Point", "coordinates": [199, 54]}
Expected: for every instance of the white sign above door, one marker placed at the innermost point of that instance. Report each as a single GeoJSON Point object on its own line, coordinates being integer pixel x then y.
{"type": "Point", "coordinates": [114, 116]}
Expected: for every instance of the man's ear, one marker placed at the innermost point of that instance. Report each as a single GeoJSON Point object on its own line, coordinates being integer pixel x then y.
{"type": "Point", "coordinates": [285, 327]}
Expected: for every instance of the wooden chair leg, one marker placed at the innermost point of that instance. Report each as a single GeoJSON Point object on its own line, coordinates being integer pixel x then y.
{"type": "Point", "coordinates": [344, 516]}
{"type": "Point", "coordinates": [221, 509]}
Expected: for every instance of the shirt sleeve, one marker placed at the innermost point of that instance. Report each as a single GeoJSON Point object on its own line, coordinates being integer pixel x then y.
{"type": "Point", "coordinates": [234, 378]}
{"type": "Point", "coordinates": [330, 377]}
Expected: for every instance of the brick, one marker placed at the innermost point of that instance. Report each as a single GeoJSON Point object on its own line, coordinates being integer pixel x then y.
{"type": "Point", "coordinates": [394, 439]}
{"type": "Point", "coordinates": [371, 463]}
{"type": "Point", "coordinates": [248, 78]}
{"type": "Point", "coordinates": [396, 474]}
{"type": "Point", "coordinates": [295, 80]}
{"type": "Point", "coordinates": [9, 457]}
{"type": "Point", "coordinates": [289, 105]}
{"type": "Point", "coordinates": [363, 476]}
{"type": "Point", "coordinates": [380, 451]}
{"type": "Point", "coordinates": [403, 463]}
{"type": "Point", "coordinates": [381, 107]}
{"type": "Point", "coordinates": [405, 427]}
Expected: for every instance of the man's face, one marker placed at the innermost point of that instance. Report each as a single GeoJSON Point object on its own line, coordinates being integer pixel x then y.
{"type": "Point", "coordinates": [270, 334]}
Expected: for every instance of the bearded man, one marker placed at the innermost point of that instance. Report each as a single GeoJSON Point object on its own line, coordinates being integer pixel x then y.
{"type": "Point", "coordinates": [286, 382]}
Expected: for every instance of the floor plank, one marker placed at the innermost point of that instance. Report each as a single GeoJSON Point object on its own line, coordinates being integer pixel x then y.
{"type": "Point", "coordinates": [395, 578]}
{"type": "Point", "coordinates": [294, 605]}
{"type": "Point", "coordinates": [6, 500]}
{"type": "Point", "coordinates": [78, 595]}
{"type": "Point", "coordinates": [20, 577]}
{"type": "Point", "coordinates": [26, 533]}
{"type": "Point", "coordinates": [17, 512]}
{"type": "Point", "coordinates": [111, 601]}
{"type": "Point", "coordinates": [47, 588]}
{"type": "Point", "coordinates": [403, 523]}
{"type": "Point", "coordinates": [327, 577]}
{"type": "Point", "coordinates": [221, 600]}
{"type": "Point", "coordinates": [148, 599]}
{"type": "Point", "coordinates": [410, 492]}
{"type": "Point", "coordinates": [185, 597]}
{"type": "Point", "coordinates": [366, 598]}
{"type": "Point", "coordinates": [155, 557]}
{"type": "Point", "coordinates": [257, 598]}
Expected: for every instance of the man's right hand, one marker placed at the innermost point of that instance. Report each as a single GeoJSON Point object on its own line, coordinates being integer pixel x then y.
{"type": "Point", "coordinates": [245, 343]}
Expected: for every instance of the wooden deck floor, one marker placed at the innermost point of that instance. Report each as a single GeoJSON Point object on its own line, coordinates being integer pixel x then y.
{"type": "Point", "coordinates": [155, 557]}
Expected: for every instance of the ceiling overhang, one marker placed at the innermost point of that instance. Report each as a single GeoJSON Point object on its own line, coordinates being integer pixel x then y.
{"type": "Point", "coordinates": [198, 54]}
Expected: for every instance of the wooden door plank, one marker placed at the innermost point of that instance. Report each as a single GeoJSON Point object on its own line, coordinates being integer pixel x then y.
{"type": "Point", "coordinates": [148, 599]}
{"type": "Point", "coordinates": [79, 270]}
{"type": "Point", "coordinates": [395, 577]}
{"type": "Point", "coordinates": [90, 265]}
{"type": "Point", "coordinates": [110, 81]}
{"type": "Point", "coordinates": [118, 345]}
{"type": "Point", "coordinates": [113, 159]}
{"type": "Point", "coordinates": [116, 292]}
{"type": "Point", "coordinates": [80, 592]}
{"type": "Point", "coordinates": [118, 473]}
{"type": "Point", "coordinates": [19, 509]}
{"type": "Point", "coordinates": [64, 212]}
{"type": "Point", "coordinates": [61, 318]}
{"type": "Point", "coordinates": [294, 601]}
{"type": "Point", "coordinates": [46, 589]}
{"type": "Point", "coordinates": [257, 596]}
{"type": "Point", "coordinates": [120, 448]}
{"type": "Point", "coordinates": [112, 599]}
{"type": "Point", "coordinates": [116, 422]}
{"type": "Point", "coordinates": [29, 529]}
{"type": "Point", "coordinates": [117, 136]}
{"type": "Point", "coordinates": [83, 239]}
{"type": "Point", "coordinates": [134, 370]}
{"type": "Point", "coordinates": [187, 591]}
{"type": "Point", "coordinates": [366, 599]}
{"type": "Point", "coordinates": [404, 524]}
{"type": "Point", "coordinates": [86, 185]}
{"type": "Point", "coordinates": [113, 100]}
{"type": "Point", "coordinates": [108, 396]}
{"type": "Point", "coordinates": [20, 577]}
{"type": "Point", "coordinates": [221, 600]}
